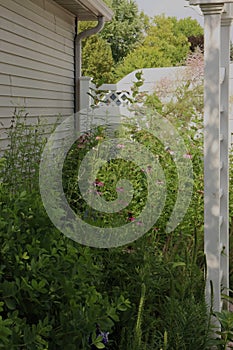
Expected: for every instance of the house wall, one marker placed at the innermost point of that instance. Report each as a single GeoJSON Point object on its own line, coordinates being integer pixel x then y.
{"type": "Point", "coordinates": [36, 61]}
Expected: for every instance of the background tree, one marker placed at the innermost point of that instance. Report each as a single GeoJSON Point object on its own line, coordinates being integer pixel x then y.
{"type": "Point", "coordinates": [97, 61]}
{"type": "Point", "coordinates": [165, 44]}
{"type": "Point", "coordinates": [101, 52]}
{"type": "Point", "coordinates": [133, 41]}
{"type": "Point", "coordinates": [196, 42]}
{"type": "Point", "coordinates": [187, 26]}
{"type": "Point", "coordinates": [126, 29]}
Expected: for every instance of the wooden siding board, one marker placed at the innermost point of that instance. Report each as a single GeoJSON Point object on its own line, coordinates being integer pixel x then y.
{"type": "Point", "coordinates": [36, 46]}
{"type": "Point", "coordinates": [29, 23]}
{"type": "Point", "coordinates": [36, 61]}
{"type": "Point", "coordinates": [5, 112]}
{"type": "Point", "coordinates": [10, 48]}
{"type": "Point", "coordinates": [27, 37]}
{"type": "Point", "coordinates": [49, 119]}
{"type": "Point", "coordinates": [34, 74]}
{"type": "Point", "coordinates": [15, 60]}
{"type": "Point", "coordinates": [22, 82]}
{"type": "Point", "coordinates": [38, 20]}
{"type": "Point", "coordinates": [21, 92]}
{"type": "Point", "coordinates": [50, 11]}
{"type": "Point", "coordinates": [34, 102]}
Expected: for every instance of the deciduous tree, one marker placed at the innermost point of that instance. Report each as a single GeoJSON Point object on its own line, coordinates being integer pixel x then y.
{"type": "Point", "coordinates": [125, 31]}
{"type": "Point", "coordinates": [166, 44]}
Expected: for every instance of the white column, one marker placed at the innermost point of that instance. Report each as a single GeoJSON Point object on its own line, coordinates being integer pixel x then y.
{"type": "Point", "coordinates": [224, 146]}
{"type": "Point", "coordinates": [212, 110]}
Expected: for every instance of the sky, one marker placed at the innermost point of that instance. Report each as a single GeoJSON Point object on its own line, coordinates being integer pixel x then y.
{"type": "Point", "coordinates": [177, 8]}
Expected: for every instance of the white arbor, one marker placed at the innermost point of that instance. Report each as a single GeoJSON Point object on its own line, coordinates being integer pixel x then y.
{"type": "Point", "coordinates": [218, 16]}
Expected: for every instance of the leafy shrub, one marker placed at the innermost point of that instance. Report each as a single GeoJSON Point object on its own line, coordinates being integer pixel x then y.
{"type": "Point", "coordinates": [51, 288]}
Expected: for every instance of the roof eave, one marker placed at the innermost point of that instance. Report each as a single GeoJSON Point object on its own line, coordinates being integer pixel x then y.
{"type": "Point", "coordinates": [90, 9]}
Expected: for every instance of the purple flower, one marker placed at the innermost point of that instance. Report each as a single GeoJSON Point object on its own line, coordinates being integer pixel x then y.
{"type": "Point", "coordinates": [99, 333]}
{"type": "Point", "coordinates": [104, 336]}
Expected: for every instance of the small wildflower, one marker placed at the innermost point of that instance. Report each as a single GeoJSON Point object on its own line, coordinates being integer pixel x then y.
{"type": "Point", "coordinates": [120, 146]}
{"type": "Point", "coordinates": [168, 150]}
{"type": "Point", "coordinates": [104, 336]}
{"type": "Point", "coordinates": [131, 219]}
{"type": "Point", "coordinates": [200, 191]}
{"type": "Point", "coordinates": [159, 182]}
{"type": "Point", "coordinates": [98, 183]}
{"type": "Point", "coordinates": [187, 156]}
{"type": "Point", "coordinates": [98, 193]}
{"type": "Point", "coordinates": [139, 223]}
{"type": "Point", "coordinates": [99, 138]}
{"type": "Point", "coordinates": [120, 189]}
{"type": "Point", "coordinates": [149, 169]}
{"type": "Point", "coordinates": [98, 333]}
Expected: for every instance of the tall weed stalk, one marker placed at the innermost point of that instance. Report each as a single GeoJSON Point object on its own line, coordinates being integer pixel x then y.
{"type": "Point", "coordinates": [22, 157]}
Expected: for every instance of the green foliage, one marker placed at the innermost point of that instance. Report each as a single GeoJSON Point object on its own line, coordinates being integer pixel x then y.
{"type": "Point", "coordinates": [101, 52]}
{"type": "Point", "coordinates": [24, 154]}
{"type": "Point", "coordinates": [165, 44]}
{"type": "Point", "coordinates": [225, 319]}
{"type": "Point", "coordinates": [132, 41]}
{"type": "Point", "coordinates": [125, 30]}
{"type": "Point", "coordinates": [51, 288]}
{"type": "Point", "coordinates": [161, 274]}
{"type": "Point", "coordinates": [97, 60]}
{"type": "Point", "coordinates": [231, 219]}
{"type": "Point", "coordinates": [187, 26]}
{"type": "Point", "coordinates": [148, 295]}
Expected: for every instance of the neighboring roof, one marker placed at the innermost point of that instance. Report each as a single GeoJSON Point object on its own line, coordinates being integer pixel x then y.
{"type": "Point", "coordinates": [87, 10]}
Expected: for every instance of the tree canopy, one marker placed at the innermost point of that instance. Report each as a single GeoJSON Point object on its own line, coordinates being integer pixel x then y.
{"type": "Point", "coordinates": [97, 60]}
{"type": "Point", "coordinates": [165, 44]}
{"type": "Point", "coordinates": [133, 41]}
{"type": "Point", "coordinates": [125, 30]}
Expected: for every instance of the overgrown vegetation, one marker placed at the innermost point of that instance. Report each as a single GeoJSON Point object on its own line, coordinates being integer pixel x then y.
{"type": "Point", "coordinates": [149, 295]}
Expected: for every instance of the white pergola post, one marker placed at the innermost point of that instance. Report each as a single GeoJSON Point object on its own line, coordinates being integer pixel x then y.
{"type": "Point", "coordinates": [225, 144]}
{"type": "Point", "coordinates": [212, 109]}
{"type": "Point", "coordinates": [216, 104]}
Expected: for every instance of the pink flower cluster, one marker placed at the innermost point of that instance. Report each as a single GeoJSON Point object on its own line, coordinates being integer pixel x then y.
{"type": "Point", "coordinates": [98, 183]}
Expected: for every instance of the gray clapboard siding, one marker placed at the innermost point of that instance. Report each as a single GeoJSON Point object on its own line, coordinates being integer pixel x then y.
{"type": "Point", "coordinates": [20, 92]}
{"type": "Point", "coordinates": [43, 66]}
{"type": "Point", "coordinates": [7, 81]}
{"type": "Point", "coordinates": [38, 18]}
{"type": "Point", "coordinates": [23, 39]}
{"type": "Point", "coordinates": [31, 36]}
{"type": "Point", "coordinates": [9, 48]}
{"type": "Point", "coordinates": [36, 61]}
{"type": "Point", "coordinates": [34, 74]}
